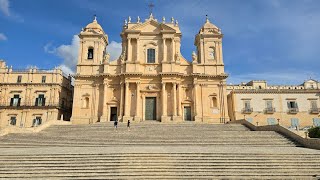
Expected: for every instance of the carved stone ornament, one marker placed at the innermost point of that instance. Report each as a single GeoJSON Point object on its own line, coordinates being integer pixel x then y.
{"type": "Point", "coordinates": [194, 57]}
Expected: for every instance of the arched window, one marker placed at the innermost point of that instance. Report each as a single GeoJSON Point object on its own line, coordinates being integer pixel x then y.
{"type": "Point", "coordinates": [86, 102]}
{"type": "Point", "coordinates": [211, 53]}
{"type": "Point", "coordinates": [151, 56]}
{"type": "Point", "coordinates": [90, 53]}
{"type": "Point", "coordinates": [214, 102]}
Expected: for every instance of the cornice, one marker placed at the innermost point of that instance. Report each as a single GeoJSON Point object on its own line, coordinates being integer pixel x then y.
{"type": "Point", "coordinates": [274, 91]}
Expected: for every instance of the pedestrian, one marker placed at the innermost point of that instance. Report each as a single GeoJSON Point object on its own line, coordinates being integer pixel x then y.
{"type": "Point", "coordinates": [128, 125]}
{"type": "Point", "coordinates": [115, 124]}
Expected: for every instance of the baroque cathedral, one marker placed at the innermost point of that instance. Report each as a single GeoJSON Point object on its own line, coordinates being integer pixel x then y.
{"type": "Point", "coordinates": [150, 80]}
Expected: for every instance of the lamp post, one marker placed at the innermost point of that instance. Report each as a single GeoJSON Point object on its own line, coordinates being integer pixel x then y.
{"type": "Point", "coordinates": [278, 121]}
{"type": "Point", "coordinates": [257, 123]}
{"type": "Point", "coordinates": [244, 117]}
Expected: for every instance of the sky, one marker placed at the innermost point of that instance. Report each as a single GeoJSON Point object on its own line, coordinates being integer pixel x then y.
{"type": "Point", "coordinates": [273, 40]}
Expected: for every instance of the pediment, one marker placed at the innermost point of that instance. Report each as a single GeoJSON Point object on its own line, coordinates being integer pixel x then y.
{"type": "Point", "coordinates": [151, 26]}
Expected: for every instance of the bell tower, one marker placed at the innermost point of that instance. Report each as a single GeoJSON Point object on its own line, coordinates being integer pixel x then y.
{"type": "Point", "coordinates": [209, 48]}
{"type": "Point", "coordinates": [93, 43]}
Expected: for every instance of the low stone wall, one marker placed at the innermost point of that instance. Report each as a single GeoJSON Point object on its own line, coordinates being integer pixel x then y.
{"type": "Point", "coordinates": [15, 129]}
{"type": "Point", "coordinates": [313, 143]}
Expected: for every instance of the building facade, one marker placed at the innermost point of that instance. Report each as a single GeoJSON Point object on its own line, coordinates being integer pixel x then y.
{"type": "Point", "coordinates": [261, 104]}
{"type": "Point", "coordinates": [30, 97]}
{"type": "Point", "coordinates": [150, 80]}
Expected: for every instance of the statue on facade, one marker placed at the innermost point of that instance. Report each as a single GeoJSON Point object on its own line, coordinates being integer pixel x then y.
{"type": "Point", "coordinates": [194, 57]}
{"type": "Point", "coordinates": [129, 19]}
{"type": "Point", "coordinates": [106, 57]}
{"type": "Point", "coordinates": [123, 55]}
{"type": "Point", "coordinates": [138, 19]}
{"type": "Point", "coordinates": [177, 57]}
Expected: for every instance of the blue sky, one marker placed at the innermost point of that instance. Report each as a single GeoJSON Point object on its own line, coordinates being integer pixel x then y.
{"type": "Point", "coordinates": [274, 40]}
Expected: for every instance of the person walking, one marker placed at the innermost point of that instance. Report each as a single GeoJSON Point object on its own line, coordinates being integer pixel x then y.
{"type": "Point", "coordinates": [115, 124]}
{"type": "Point", "coordinates": [128, 125]}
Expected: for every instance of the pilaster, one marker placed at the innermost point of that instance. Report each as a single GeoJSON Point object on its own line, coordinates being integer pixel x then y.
{"type": "Point", "coordinates": [104, 117]}
{"type": "Point", "coordinates": [136, 117]}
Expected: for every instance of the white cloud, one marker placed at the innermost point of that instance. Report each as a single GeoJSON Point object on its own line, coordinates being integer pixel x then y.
{"type": "Point", "coordinates": [3, 37]}
{"type": "Point", "coordinates": [66, 69]}
{"type": "Point", "coordinates": [69, 53]}
{"type": "Point", "coordinates": [114, 48]}
{"type": "Point", "coordinates": [5, 7]}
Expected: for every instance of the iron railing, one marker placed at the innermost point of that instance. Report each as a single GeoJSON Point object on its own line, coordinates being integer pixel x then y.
{"type": "Point", "coordinates": [293, 110]}
{"type": "Point", "coordinates": [33, 105]}
{"type": "Point", "coordinates": [314, 111]}
{"type": "Point", "coordinates": [247, 110]}
{"type": "Point", "coordinates": [269, 110]}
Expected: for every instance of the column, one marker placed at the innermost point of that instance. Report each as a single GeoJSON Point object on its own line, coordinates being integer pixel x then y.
{"type": "Point", "coordinates": [137, 118]}
{"type": "Point", "coordinates": [129, 50]}
{"type": "Point", "coordinates": [137, 60]}
{"type": "Point", "coordinates": [104, 117]}
{"type": "Point", "coordinates": [121, 102]}
{"type": "Point", "coordinates": [196, 112]}
{"type": "Point", "coordinates": [179, 99]}
{"type": "Point", "coordinates": [174, 99]}
{"type": "Point", "coordinates": [172, 50]}
{"type": "Point", "coordinates": [164, 50]}
{"type": "Point", "coordinates": [164, 100]}
{"type": "Point", "coordinates": [126, 109]}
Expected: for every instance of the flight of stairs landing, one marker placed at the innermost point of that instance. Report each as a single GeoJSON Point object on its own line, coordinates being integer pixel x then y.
{"type": "Point", "coordinates": [155, 151]}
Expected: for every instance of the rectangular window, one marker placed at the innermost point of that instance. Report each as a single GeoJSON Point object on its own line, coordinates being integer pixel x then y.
{"type": "Point", "coordinates": [40, 101]}
{"type": "Point", "coordinates": [314, 104]}
{"type": "Point", "coordinates": [151, 56]}
{"type": "Point", "coordinates": [292, 104]}
{"type": "Point", "coordinates": [269, 104]}
{"type": "Point", "coordinates": [247, 105]}
{"type": "Point", "coordinates": [19, 79]}
{"type": "Point", "coordinates": [37, 121]}
{"type": "Point", "coordinates": [43, 80]}
{"type": "Point", "coordinates": [15, 101]}
{"type": "Point", "coordinates": [13, 120]}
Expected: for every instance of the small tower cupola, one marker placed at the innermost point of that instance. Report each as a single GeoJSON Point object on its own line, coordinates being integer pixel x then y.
{"type": "Point", "coordinates": [93, 43]}
{"type": "Point", "coordinates": [209, 45]}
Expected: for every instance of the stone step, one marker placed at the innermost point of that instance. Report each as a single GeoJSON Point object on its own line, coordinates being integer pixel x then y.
{"type": "Point", "coordinates": [154, 173]}
{"type": "Point", "coordinates": [146, 144]}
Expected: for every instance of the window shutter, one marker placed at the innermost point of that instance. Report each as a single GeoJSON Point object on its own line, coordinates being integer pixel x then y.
{"type": "Point", "coordinates": [19, 101]}
{"type": "Point", "coordinates": [11, 102]}
{"type": "Point", "coordinates": [296, 104]}
{"type": "Point", "coordinates": [44, 102]}
{"type": "Point", "coordinates": [288, 104]}
{"type": "Point", "coordinates": [36, 103]}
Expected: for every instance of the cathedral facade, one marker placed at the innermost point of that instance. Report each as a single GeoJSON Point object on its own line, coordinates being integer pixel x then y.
{"type": "Point", "coordinates": [150, 80]}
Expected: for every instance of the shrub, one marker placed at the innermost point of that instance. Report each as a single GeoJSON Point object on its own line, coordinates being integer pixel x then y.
{"type": "Point", "coordinates": [314, 132]}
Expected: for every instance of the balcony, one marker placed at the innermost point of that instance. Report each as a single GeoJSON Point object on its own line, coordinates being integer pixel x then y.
{"type": "Point", "coordinates": [32, 105]}
{"type": "Point", "coordinates": [293, 110]}
{"type": "Point", "coordinates": [269, 110]}
{"type": "Point", "coordinates": [247, 110]}
{"type": "Point", "coordinates": [314, 111]}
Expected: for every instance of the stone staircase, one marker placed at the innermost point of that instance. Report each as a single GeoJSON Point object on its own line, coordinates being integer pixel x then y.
{"type": "Point", "coordinates": [100, 135]}
{"type": "Point", "coordinates": [155, 151]}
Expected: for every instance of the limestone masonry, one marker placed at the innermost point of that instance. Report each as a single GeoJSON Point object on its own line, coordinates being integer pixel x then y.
{"type": "Point", "coordinates": [151, 80]}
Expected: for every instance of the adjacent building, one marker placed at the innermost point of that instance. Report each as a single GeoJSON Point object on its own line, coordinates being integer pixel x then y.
{"type": "Point", "coordinates": [262, 104]}
{"type": "Point", "coordinates": [30, 97]}
{"type": "Point", "coordinates": [151, 80]}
